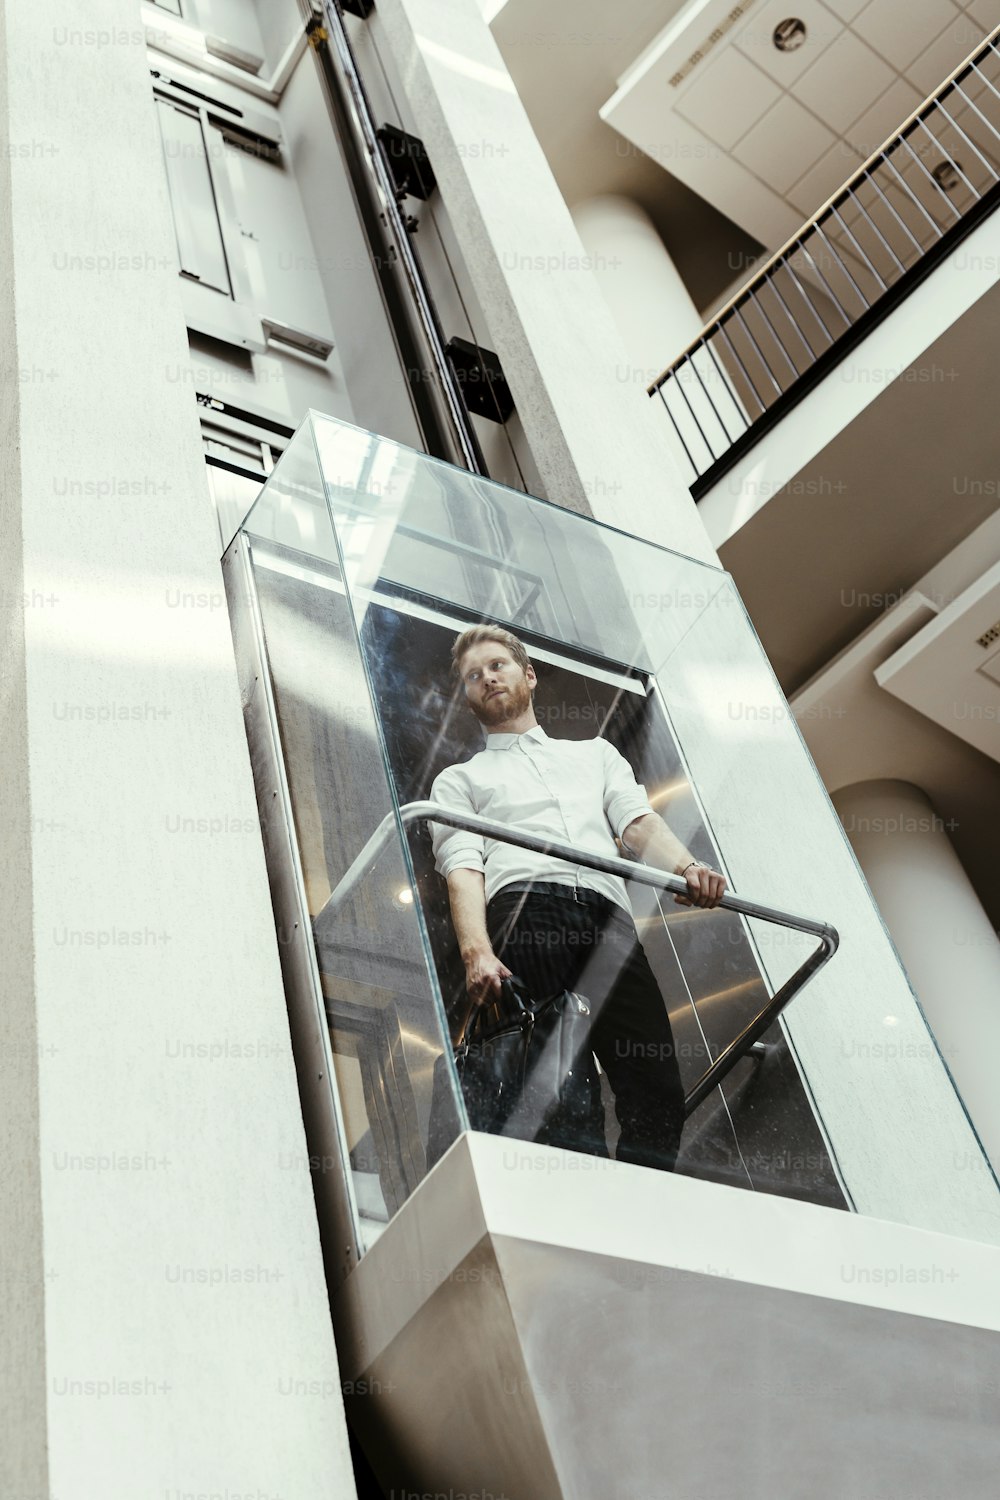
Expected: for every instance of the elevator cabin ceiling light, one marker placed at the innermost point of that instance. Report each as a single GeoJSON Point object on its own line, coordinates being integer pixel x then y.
{"type": "Point", "coordinates": [789, 35]}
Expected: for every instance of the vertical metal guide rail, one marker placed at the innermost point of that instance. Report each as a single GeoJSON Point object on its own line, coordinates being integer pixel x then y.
{"type": "Point", "coordinates": [440, 409]}
{"type": "Point", "coordinates": [866, 249]}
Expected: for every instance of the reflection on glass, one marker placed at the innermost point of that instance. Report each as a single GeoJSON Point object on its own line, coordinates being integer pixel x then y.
{"type": "Point", "coordinates": [369, 560]}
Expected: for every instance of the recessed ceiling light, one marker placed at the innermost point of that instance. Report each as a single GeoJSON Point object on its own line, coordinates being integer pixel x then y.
{"type": "Point", "coordinates": [789, 35]}
{"type": "Point", "coordinates": [946, 175]}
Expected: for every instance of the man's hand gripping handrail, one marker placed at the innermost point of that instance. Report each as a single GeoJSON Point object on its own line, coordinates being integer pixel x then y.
{"type": "Point", "coordinates": [432, 812]}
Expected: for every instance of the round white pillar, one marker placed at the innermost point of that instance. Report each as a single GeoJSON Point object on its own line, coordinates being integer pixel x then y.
{"type": "Point", "coordinates": [943, 935]}
{"type": "Point", "coordinates": [641, 284]}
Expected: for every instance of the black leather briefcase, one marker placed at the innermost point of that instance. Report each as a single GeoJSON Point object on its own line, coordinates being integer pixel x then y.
{"type": "Point", "coordinates": [527, 1070]}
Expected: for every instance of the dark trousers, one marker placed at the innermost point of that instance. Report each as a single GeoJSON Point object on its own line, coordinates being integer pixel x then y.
{"type": "Point", "coordinates": [554, 941]}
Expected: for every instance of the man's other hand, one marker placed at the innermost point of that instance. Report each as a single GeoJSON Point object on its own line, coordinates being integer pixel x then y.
{"type": "Point", "coordinates": [706, 887]}
{"type": "Point", "coordinates": [483, 974]}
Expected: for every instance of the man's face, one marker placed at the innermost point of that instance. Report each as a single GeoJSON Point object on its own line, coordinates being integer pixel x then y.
{"type": "Point", "coordinates": [497, 689]}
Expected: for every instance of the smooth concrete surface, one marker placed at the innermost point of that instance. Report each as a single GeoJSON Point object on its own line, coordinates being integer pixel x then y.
{"type": "Point", "coordinates": [944, 936]}
{"type": "Point", "coordinates": [648, 1336]}
{"type": "Point", "coordinates": [597, 439]}
{"type": "Point", "coordinates": [186, 1333]}
{"type": "Point", "coordinates": [23, 1457]}
{"type": "Point", "coordinates": [644, 291]}
{"type": "Point", "coordinates": [883, 358]}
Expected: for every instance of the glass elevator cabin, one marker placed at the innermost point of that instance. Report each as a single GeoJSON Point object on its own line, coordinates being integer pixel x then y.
{"type": "Point", "coordinates": [351, 576]}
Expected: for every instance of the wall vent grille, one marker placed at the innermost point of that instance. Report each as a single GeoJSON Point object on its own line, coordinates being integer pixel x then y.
{"type": "Point", "coordinates": [989, 636]}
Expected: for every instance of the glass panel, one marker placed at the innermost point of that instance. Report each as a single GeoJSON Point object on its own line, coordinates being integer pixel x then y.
{"type": "Point", "coordinates": [364, 581]}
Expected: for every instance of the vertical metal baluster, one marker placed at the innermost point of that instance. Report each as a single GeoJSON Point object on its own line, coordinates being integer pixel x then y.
{"type": "Point", "coordinates": [687, 450]}
{"type": "Point", "coordinates": [727, 382]}
{"type": "Point", "coordinates": [971, 144]}
{"type": "Point", "coordinates": [903, 226]}
{"type": "Point", "coordinates": [989, 85]}
{"type": "Point", "coordinates": [715, 409]}
{"type": "Point", "coordinates": [725, 335]}
{"type": "Point", "coordinates": [757, 351]}
{"type": "Point", "coordinates": [771, 330]}
{"type": "Point", "coordinates": [857, 200]}
{"type": "Point", "coordinates": [808, 301]}
{"type": "Point", "coordinates": [938, 189]}
{"type": "Point", "coordinates": [844, 267]}
{"type": "Point", "coordinates": [819, 273]}
{"type": "Point", "coordinates": [690, 408]}
{"type": "Point", "coordinates": [973, 105]}
{"type": "Point", "coordinates": [861, 251]}
{"type": "Point", "coordinates": [810, 351]}
{"type": "Point", "coordinates": [949, 158]}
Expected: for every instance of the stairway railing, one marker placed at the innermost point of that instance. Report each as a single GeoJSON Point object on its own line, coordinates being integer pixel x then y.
{"type": "Point", "coordinates": [817, 297]}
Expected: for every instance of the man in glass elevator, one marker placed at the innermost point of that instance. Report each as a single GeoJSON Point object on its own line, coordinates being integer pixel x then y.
{"type": "Point", "coordinates": [556, 926]}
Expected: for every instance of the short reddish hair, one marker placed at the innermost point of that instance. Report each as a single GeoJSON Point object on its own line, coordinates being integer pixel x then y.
{"type": "Point", "coordinates": [476, 634]}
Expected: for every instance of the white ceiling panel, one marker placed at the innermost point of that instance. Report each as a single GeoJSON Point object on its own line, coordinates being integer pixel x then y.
{"type": "Point", "coordinates": [785, 140]}
{"type": "Point", "coordinates": [944, 54]}
{"type": "Point", "coordinates": [841, 85]}
{"type": "Point", "coordinates": [822, 181]}
{"type": "Point", "coordinates": [986, 13]}
{"type": "Point", "coordinates": [756, 39]}
{"type": "Point", "coordinates": [885, 116]}
{"type": "Point", "coordinates": [754, 130]}
{"type": "Point", "coordinates": [727, 96]}
{"type": "Point", "coordinates": [939, 671]}
{"type": "Point", "coordinates": [991, 669]}
{"type": "Point", "coordinates": [901, 32]}
{"type": "Point", "coordinates": [846, 9]}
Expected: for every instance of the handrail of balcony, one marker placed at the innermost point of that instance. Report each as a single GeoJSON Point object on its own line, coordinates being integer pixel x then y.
{"type": "Point", "coordinates": [865, 249]}
{"type": "Point", "coordinates": [432, 812]}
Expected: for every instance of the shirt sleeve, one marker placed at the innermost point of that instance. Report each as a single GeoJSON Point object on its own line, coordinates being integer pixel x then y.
{"type": "Point", "coordinates": [624, 799]}
{"type": "Point", "coordinates": [455, 848]}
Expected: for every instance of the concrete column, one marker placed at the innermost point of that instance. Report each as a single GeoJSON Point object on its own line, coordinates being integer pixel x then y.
{"type": "Point", "coordinates": [649, 301]}
{"type": "Point", "coordinates": [152, 1137]}
{"type": "Point", "coordinates": [601, 445]}
{"type": "Point", "coordinates": [943, 935]}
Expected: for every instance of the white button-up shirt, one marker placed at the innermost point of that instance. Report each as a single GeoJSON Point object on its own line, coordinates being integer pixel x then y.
{"type": "Point", "coordinates": [580, 792]}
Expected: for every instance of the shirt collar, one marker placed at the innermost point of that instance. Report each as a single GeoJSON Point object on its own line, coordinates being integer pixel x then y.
{"type": "Point", "coordinates": [508, 741]}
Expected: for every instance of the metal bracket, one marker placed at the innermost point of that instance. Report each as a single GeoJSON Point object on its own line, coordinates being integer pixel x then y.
{"type": "Point", "coordinates": [480, 378]}
{"type": "Point", "coordinates": [408, 162]}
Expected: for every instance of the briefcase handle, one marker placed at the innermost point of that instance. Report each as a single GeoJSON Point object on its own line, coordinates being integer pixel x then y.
{"type": "Point", "coordinates": [512, 990]}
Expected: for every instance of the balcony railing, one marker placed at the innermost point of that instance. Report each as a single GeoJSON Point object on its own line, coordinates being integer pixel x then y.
{"type": "Point", "coordinates": [865, 250]}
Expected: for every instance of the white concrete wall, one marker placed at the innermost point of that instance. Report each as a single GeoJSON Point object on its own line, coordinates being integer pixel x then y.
{"type": "Point", "coordinates": [955, 286]}
{"type": "Point", "coordinates": [184, 1295]}
{"type": "Point", "coordinates": [23, 1459]}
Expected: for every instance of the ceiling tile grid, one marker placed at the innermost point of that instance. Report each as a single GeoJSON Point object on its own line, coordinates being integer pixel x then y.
{"type": "Point", "coordinates": [984, 13]}
{"type": "Point", "coordinates": [778, 145]}
{"type": "Point", "coordinates": [900, 33]}
{"type": "Point", "coordinates": [953, 46]}
{"type": "Point", "coordinates": [888, 112]}
{"type": "Point", "coordinates": [747, 90]}
{"type": "Point", "coordinates": [799, 120]}
{"type": "Point", "coordinates": [824, 178]}
{"type": "Point", "coordinates": [755, 39]}
{"type": "Point", "coordinates": [842, 80]}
